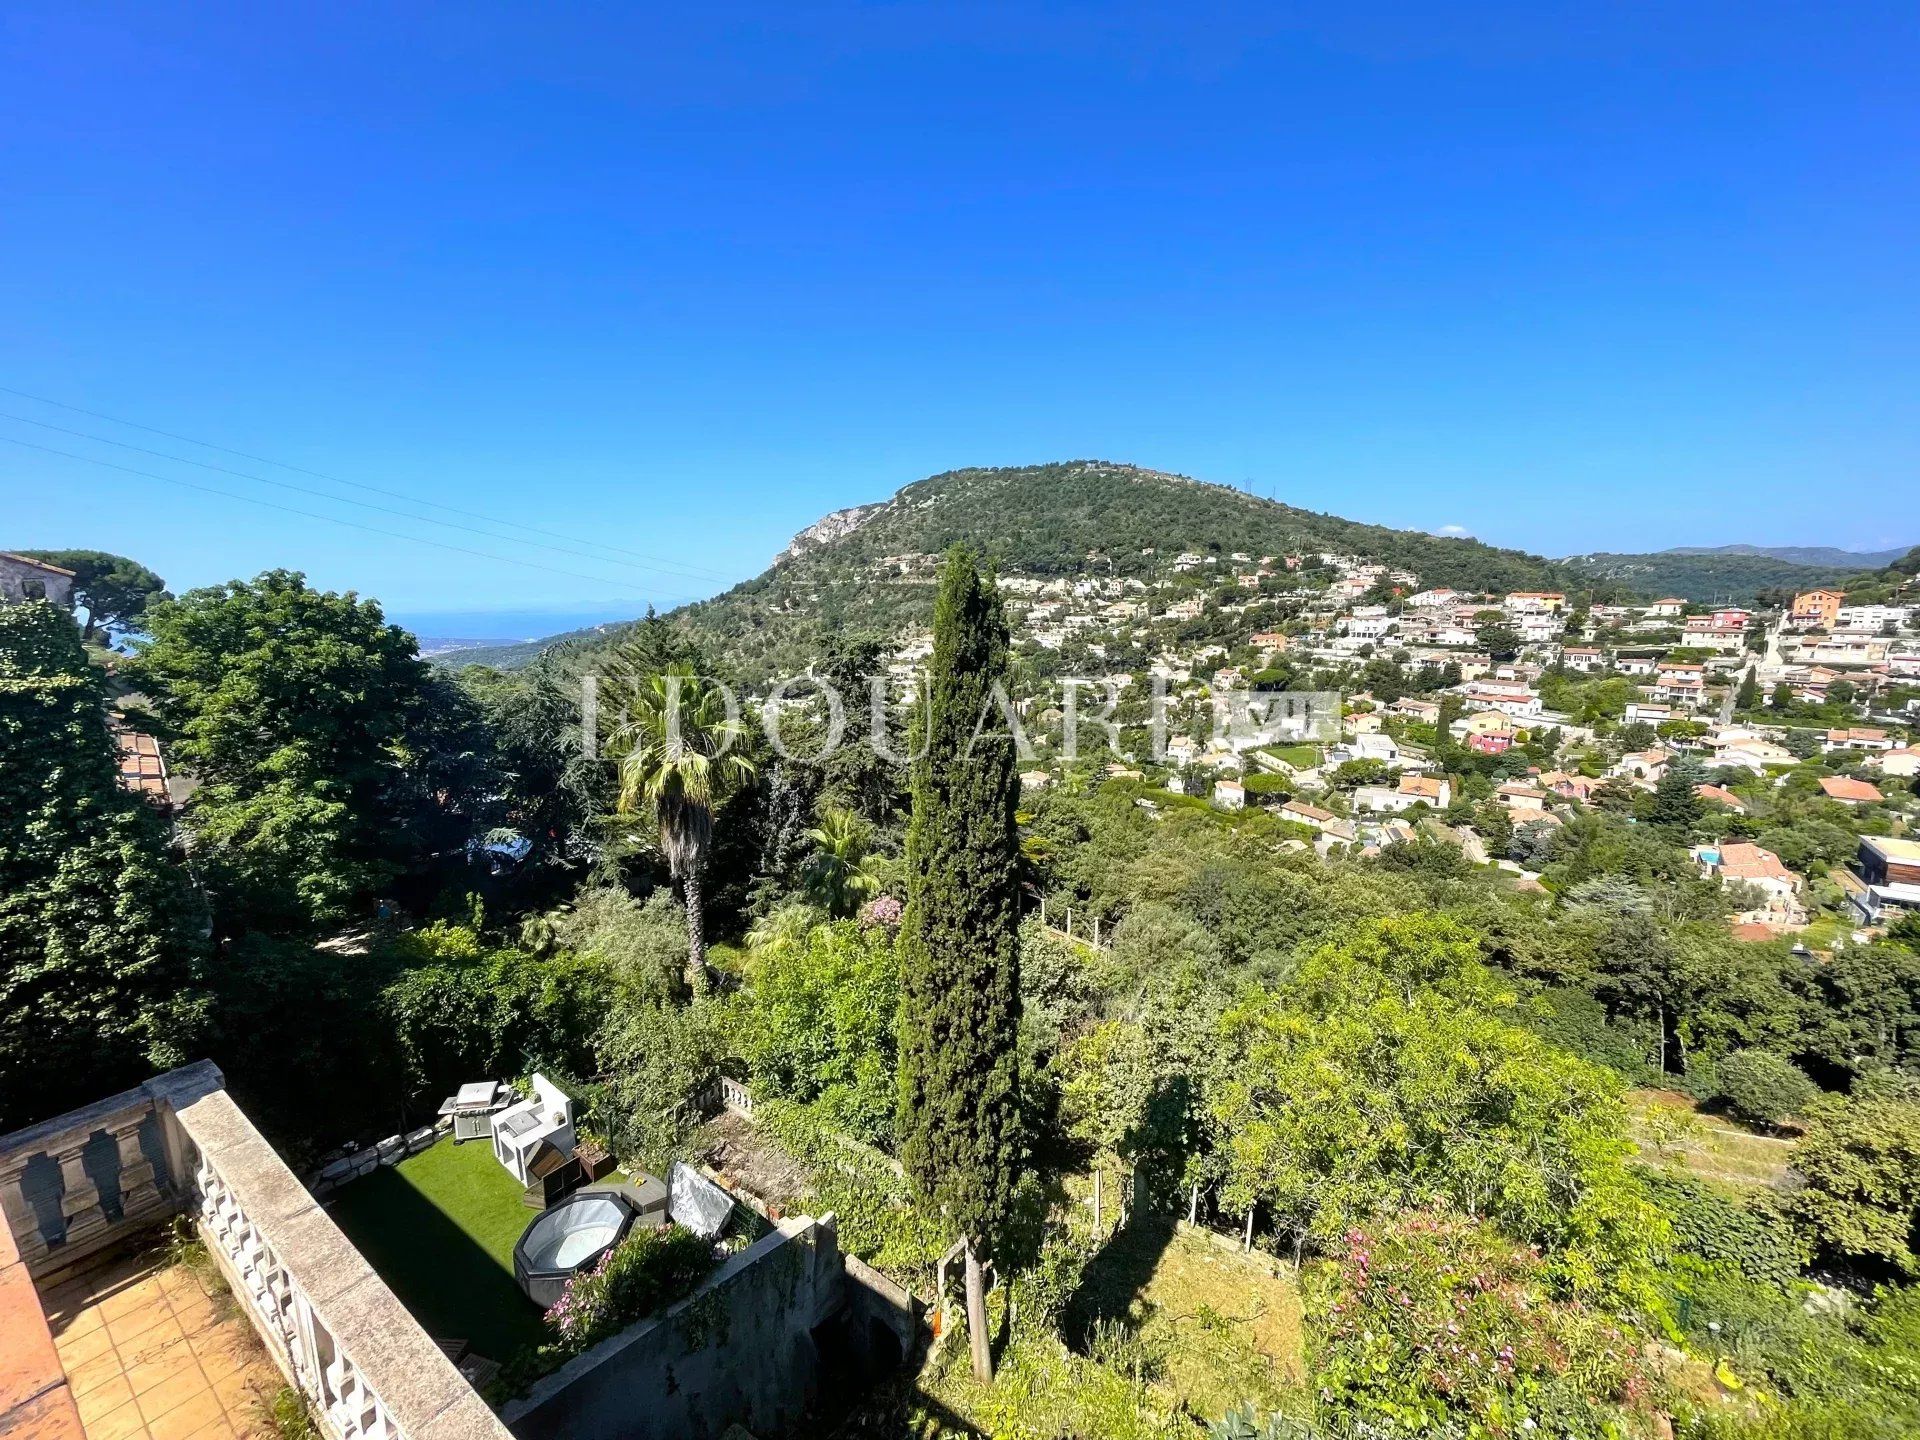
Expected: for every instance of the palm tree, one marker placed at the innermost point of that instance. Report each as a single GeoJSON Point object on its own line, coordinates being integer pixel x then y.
{"type": "Point", "coordinates": [840, 874]}
{"type": "Point", "coordinates": [674, 753]}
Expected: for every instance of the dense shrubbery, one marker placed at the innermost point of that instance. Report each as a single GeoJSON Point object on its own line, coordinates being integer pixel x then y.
{"type": "Point", "coordinates": [1439, 1324]}
{"type": "Point", "coordinates": [1760, 1086]}
{"type": "Point", "coordinates": [1751, 1234]}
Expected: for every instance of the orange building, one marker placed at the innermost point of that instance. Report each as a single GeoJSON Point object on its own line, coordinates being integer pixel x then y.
{"type": "Point", "coordinates": [1817, 609]}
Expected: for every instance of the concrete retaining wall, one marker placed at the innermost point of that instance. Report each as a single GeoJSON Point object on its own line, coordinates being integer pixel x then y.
{"type": "Point", "coordinates": [739, 1350]}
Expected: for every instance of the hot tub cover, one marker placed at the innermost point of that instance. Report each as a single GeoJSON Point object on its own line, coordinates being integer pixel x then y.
{"type": "Point", "coordinates": [571, 1236]}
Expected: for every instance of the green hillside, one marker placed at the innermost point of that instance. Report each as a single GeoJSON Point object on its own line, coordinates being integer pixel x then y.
{"type": "Point", "coordinates": [1741, 574]}
{"type": "Point", "coordinates": [1739, 578]}
{"type": "Point", "coordinates": [1085, 516]}
{"type": "Point", "coordinates": [1823, 555]}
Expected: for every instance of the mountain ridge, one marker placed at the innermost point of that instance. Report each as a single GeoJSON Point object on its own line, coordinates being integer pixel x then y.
{"type": "Point", "coordinates": [1825, 556]}
{"type": "Point", "coordinates": [857, 565]}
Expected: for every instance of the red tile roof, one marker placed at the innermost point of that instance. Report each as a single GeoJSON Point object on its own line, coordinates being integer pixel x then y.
{"type": "Point", "coordinates": [1841, 787]}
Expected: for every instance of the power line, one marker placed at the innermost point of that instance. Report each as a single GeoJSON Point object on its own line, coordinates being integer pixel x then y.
{"type": "Point", "coordinates": [692, 571]}
{"type": "Point", "coordinates": [336, 520]}
{"type": "Point", "coordinates": [342, 499]}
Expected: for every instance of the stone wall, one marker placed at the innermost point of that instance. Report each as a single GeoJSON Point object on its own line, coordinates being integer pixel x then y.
{"type": "Point", "coordinates": [739, 1350]}
{"type": "Point", "coordinates": [21, 579]}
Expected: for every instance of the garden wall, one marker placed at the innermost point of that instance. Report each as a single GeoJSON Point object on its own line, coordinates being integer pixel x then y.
{"type": "Point", "coordinates": [739, 1350]}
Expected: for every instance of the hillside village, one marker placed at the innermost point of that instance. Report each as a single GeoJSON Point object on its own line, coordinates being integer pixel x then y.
{"type": "Point", "coordinates": [1556, 705]}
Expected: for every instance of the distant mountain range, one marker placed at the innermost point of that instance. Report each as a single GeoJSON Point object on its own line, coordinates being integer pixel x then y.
{"type": "Point", "coordinates": [1821, 555]}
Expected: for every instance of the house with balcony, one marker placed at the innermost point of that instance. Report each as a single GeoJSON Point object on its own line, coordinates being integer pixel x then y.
{"type": "Point", "coordinates": [1886, 875]}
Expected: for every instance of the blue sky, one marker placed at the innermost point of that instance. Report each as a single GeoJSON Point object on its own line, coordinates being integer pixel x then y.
{"type": "Point", "coordinates": [1568, 276]}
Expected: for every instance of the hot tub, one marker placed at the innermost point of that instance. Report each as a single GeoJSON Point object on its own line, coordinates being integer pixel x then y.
{"type": "Point", "coordinates": [572, 1235]}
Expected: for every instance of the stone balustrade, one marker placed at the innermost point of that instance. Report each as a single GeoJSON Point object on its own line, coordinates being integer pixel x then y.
{"type": "Point", "coordinates": [179, 1144]}
{"type": "Point", "coordinates": [78, 1184]}
{"type": "Point", "coordinates": [736, 1097]}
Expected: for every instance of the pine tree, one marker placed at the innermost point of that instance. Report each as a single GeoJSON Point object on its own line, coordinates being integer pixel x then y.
{"type": "Point", "coordinates": [959, 1118]}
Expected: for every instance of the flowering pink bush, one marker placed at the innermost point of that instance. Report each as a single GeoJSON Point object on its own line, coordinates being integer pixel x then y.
{"type": "Point", "coordinates": [881, 910]}
{"type": "Point", "coordinates": [646, 1271]}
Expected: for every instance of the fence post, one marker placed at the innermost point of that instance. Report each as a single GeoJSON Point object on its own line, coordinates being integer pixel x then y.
{"type": "Point", "coordinates": [1249, 1228]}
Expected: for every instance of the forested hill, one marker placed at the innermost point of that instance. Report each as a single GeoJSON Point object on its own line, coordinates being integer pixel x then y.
{"type": "Point", "coordinates": [856, 566]}
{"type": "Point", "coordinates": [1739, 574]}
{"type": "Point", "coordinates": [1704, 576]}
{"type": "Point", "coordinates": [1094, 515]}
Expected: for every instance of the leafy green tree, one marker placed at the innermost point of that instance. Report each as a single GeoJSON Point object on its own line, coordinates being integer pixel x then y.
{"type": "Point", "coordinates": [1499, 639]}
{"type": "Point", "coordinates": [1385, 1072]}
{"type": "Point", "coordinates": [1763, 1087]}
{"type": "Point", "coordinates": [674, 749]}
{"type": "Point", "coordinates": [1860, 1159]}
{"type": "Point", "coordinates": [115, 590]}
{"type": "Point", "coordinates": [98, 942]}
{"type": "Point", "coordinates": [297, 710]}
{"type": "Point", "coordinates": [1352, 774]}
{"type": "Point", "coordinates": [815, 1024]}
{"type": "Point", "coordinates": [1782, 697]}
{"type": "Point", "coordinates": [841, 874]}
{"type": "Point", "coordinates": [959, 1114]}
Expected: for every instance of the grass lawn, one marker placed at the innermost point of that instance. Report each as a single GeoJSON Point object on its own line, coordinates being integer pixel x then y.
{"type": "Point", "coordinates": [1301, 757]}
{"type": "Point", "coordinates": [1673, 1134]}
{"type": "Point", "coordinates": [440, 1228]}
{"type": "Point", "coordinates": [1219, 1327]}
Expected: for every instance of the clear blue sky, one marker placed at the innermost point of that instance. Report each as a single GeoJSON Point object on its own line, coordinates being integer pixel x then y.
{"type": "Point", "coordinates": [1569, 276]}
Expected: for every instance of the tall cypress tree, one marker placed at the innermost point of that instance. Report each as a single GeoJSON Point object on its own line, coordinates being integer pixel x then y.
{"type": "Point", "coordinates": [959, 1120]}
{"type": "Point", "coordinates": [1748, 697]}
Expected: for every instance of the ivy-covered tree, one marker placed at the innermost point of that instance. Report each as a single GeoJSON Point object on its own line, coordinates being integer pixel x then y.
{"type": "Point", "coordinates": [98, 927]}
{"type": "Point", "coordinates": [959, 1121]}
{"type": "Point", "coordinates": [298, 711]}
{"type": "Point", "coordinates": [113, 590]}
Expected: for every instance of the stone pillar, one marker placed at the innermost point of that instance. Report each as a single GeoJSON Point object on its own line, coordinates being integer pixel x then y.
{"type": "Point", "coordinates": [80, 1204]}
{"type": "Point", "coordinates": [139, 1192]}
{"type": "Point", "coordinates": [18, 1215]}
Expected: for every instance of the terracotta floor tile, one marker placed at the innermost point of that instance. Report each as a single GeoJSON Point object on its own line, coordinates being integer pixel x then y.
{"type": "Point", "coordinates": [244, 1393]}
{"type": "Point", "coordinates": [125, 1423]}
{"type": "Point", "coordinates": [162, 1344]}
{"type": "Point", "coordinates": [128, 1329]}
{"type": "Point", "coordinates": [78, 1347]}
{"type": "Point", "coordinates": [189, 1418]}
{"type": "Point", "coordinates": [173, 1391]}
{"type": "Point", "coordinates": [64, 1320]}
{"type": "Point", "coordinates": [103, 1399]}
{"type": "Point", "coordinates": [219, 1430]}
{"type": "Point", "coordinates": [87, 1375]}
{"type": "Point", "coordinates": [197, 1313]}
{"type": "Point", "coordinates": [131, 1296]}
{"type": "Point", "coordinates": [222, 1353]}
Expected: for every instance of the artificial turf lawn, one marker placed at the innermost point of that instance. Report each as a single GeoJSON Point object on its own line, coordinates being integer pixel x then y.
{"type": "Point", "coordinates": [440, 1228]}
